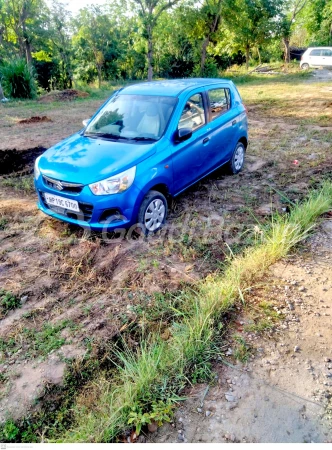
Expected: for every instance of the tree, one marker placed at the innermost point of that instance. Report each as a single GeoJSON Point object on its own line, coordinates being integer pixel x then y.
{"type": "Point", "coordinates": [59, 33]}
{"type": "Point", "coordinates": [293, 9]}
{"type": "Point", "coordinates": [250, 23]}
{"type": "Point", "coordinates": [24, 21]}
{"type": "Point", "coordinates": [149, 12]}
{"type": "Point", "coordinates": [317, 20]}
{"type": "Point", "coordinates": [93, 37]}
{"type": "Point", "coordinates": [211, 15]}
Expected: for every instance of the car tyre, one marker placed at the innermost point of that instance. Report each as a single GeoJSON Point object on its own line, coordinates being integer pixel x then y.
{"type": "Point", "coordinates": [237, 162]}
{"type": "Point", "coordinates": [305, 66]}
{"type": "Point", "coordinates": [153, 212]}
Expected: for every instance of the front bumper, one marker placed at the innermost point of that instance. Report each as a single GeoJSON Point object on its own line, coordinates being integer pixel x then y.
{"type": "Point", "coordinates": [98, 213]}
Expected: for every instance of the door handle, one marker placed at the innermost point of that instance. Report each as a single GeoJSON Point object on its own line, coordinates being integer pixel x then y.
{"type": "Point", "coordinates": [234, 122]}
{"type": "Point", "coordinates": [206, 140]}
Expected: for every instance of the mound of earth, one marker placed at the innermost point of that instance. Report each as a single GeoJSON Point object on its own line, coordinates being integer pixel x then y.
{"type": "Point", "coordinates": [60, 96]}
{"type": "Point", "coordinates": [35, 119]}
{"type": "Point", "coordinates": [16, 160]}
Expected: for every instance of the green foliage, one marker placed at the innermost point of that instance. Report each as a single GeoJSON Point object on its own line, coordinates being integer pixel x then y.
{"type": "Point", "coordinates": [9, 432]}
{"type": "Point", "coordinates": [44, 341]}
{"type": "Point", "coordinates": [160, 413]}
{"type": "Point", "coordinates": [8, 302]}
{"type": "Point", "coordinates": [242, 351]}
{"type": "Point", "coordinates": [18, 80]}
{"type": "Point", "coordinates": [3, 223]}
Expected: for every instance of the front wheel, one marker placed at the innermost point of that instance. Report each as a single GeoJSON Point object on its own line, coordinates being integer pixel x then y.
{"type": "Point", "coordinates": [305, 66]}
{"type": "Point", "coordinates": [153, 212]}
{"type": "Point", "coordinates": [237, 161]}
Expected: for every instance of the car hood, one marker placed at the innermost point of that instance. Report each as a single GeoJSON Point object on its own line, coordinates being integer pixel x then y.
{"type": "Point", "coordinates": [81, 159]}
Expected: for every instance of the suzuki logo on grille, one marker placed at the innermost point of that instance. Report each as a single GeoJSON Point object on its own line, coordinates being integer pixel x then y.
{"type": "Point", "coordinates": [58, 185]}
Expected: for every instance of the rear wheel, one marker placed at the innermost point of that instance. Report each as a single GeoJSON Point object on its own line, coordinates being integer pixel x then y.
{"type": "Point", "coordinates": [153, 212]}
{"type": "Point", "coordinates": [237, 161]}
{"type": "Point", "coordinates": [305, 66]}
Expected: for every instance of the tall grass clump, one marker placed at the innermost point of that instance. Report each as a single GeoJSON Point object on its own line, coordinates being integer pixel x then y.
{"type": "Point", "coordinates": [158, 370]}
{"type": "Point", "coordinates": [18, 80]}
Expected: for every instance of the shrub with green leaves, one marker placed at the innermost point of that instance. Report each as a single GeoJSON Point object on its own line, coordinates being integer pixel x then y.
{"type": "Point", "coordinates": [17, 79]}
{"type": "Point", "coordinates": [8, 301]}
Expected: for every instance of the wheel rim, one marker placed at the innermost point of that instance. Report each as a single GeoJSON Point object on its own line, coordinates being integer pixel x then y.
{"type": "Point", "coordinates": [239, 158]}
{"type": "Point", "coordinates": [154, 215]}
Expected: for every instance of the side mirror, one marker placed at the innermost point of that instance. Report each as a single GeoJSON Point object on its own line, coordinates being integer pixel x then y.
{"type": "Point", "coordinates": [183, 134]}
{"type": "Point", "coordinates": [85, 122]}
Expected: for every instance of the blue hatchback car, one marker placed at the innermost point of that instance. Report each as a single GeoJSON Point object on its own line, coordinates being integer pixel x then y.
{"type": "Point", "coordinates": [145, 145]}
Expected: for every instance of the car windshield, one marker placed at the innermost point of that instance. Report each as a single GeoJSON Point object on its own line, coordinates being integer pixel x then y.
{"type": "Point", "coordinates": [133, 117]}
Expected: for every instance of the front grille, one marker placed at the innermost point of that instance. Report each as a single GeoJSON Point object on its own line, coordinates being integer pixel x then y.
{"type": "Point", "coordinates": [62, 186]}
{"type": "Point", "coordinates": [85, 213]}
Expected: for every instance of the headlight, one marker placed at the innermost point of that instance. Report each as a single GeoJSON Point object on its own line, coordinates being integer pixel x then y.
{"type": "Point", "coordinates": [36, 169]}
{"type": "Point", "coordinates": [114, 185]}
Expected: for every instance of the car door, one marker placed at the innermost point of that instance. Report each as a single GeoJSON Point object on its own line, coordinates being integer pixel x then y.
{"type": "Point", "coordinates": [224, 125]}
{"type": "Point", "coordinates": [326, 57]}
{"type": "Point", "coordinates": [189, 156]}
{"type": "Point", "coordinates": [315, 58]}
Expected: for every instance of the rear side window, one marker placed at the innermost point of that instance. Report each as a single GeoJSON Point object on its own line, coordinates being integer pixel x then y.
{"type": "Point", "coordinates": [326, 52]}
{"type": "Point", "coordinates": [220, 101]}
{"type": "Point", "coordinates": [315, 53]}
{"type": "Point", "coordinates": [193, 115]}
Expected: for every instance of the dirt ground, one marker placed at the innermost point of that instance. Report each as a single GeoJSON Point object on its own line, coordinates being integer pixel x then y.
{"type": "Point", "coordinates": [78, 292]}
{"type": "Point", "coordinates": [284, 392]}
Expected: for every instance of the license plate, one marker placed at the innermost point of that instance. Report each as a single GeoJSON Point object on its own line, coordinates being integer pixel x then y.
{"type": "Point", "coordinates": [61, 202]}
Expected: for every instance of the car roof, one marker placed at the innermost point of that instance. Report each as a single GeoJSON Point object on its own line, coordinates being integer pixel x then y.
{"type": "Point", "coordinates": [321, 47]}
{"type": "Point", "coordinates": [170, 88]}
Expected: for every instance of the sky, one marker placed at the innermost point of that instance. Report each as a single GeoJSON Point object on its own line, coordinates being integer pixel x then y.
{"type": "Point", "coordinates": [75, 5]}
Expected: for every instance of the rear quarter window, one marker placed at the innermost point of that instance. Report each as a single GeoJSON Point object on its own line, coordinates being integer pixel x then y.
{"type": "Point", "coordinates": [220, 101]}
{"type": "Point", "coordinates": [327, 52]}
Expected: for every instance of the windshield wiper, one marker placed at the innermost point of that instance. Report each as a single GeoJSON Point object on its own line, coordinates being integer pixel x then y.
{"type": "Point", "coordinates": [143, 138]}
{"type": "Point", "coordinates": [105, 136]}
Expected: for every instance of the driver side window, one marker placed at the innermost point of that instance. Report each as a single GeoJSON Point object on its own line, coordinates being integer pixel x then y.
{"type": "Point", "coordinates": [193, 115]}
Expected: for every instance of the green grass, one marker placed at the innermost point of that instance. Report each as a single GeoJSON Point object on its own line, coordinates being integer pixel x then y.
{"type": "Point", "coordinates": [3, 223]}
{"type": "Point", "coordinates": [242, 350]}
{"type": "Point", "coordinates": [8, 302]}
{"type": "Point", "coordinates": [158, 370]}
{"type": "Point", "coordinates": [22, 184]}
{"type": "Point", "coordinates": [36, 343]}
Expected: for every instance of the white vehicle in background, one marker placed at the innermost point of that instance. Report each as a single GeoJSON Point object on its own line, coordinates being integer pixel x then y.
{"type": "Point", "coordinates": [316, 57]}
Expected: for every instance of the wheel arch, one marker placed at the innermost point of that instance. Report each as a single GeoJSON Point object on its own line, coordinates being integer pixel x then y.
{"type": "Point", "coordinates": [244, 141]}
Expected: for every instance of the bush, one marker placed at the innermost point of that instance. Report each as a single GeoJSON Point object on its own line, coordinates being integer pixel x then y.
{"type": "Point", "coordinates": [18, 80]}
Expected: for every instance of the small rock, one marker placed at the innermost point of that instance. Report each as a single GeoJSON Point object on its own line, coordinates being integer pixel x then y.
{"type": "Point", "coordinates": [24, 299]}
{"type": "Point", "coordinates": [230, 397]}
{"type": "Point", "coordinates": [199, 410]}
{"type": "Point", "coordinates": [301, 288]}
{"type": "Point", "coordinates": [152, 427]}
{"type": "Point", "coordinates": [296, 349]}
{"type": "Point", "coordinates": [207, 413]}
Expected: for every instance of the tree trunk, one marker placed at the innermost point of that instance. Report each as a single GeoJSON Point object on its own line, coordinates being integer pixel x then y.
{"type": "Point", "coordinates": [99, 76]}
{"type": "Point", "coordinates": [1, 93]}
{"type": "Point", "coordinates": [259, 56]}
{"type": "Point", "coordinates": [203, 56]}
{"type": "Point", "coordinates": [27, 45]}
{"type": "Point", "coordinates": [247, 57]}
{"type": "Point", "coordinates": [287, 50]}
{"type": "Point", "coordinates": [28, 52]}
{"type": "Point", "coordinates": [150, 56]}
